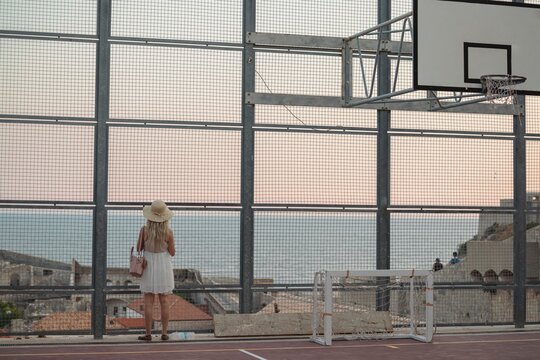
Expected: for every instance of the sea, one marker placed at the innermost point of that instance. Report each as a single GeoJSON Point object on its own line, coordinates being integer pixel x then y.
{"type": "Point", "coordinates": [288, 247]}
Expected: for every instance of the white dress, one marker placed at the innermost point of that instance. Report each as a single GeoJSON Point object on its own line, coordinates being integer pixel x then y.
{"type": "Point", "coordinates": [157, 277]}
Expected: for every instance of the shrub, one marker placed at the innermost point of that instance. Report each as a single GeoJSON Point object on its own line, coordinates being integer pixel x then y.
{"type": "Point", "coordinates": [8, 312]}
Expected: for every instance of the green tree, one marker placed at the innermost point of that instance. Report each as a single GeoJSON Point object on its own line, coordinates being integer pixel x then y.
{"type": "Point", "coordinates": [8, 312]}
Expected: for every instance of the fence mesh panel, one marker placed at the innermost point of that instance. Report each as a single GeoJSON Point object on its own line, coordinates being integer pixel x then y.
{"type": "Point", "coordinates": [50, 16]}
{"type": "Point", "coordinates": [180, 165]}
{"type": "Point", "coordinates": [48, 251]}
{"type": "Point", "coordinates": [175, 84]}
{"type": "Point", "coordinates": [337, 18]}
{"type": "Point", "coordinates": [46, 162]}
{"type": "Point", "coordinates": [441, 171]}
{"type": "Point", "coordinates": [203, 20]}
{"type": "Point", "coordinates": [333, 118]}
{"type": "Point", "coordinates": [418, 239]}
{"type": "Point", "coordinates": [47, 78]}
{"type": "Point", "coordinates": [291, 247]}
{"type": "Point", "coordinates": [59, 312]}
{"type": "Point", "coordinates": [315, 168]}
{"type": "Point", "coordinates": [206, 244]}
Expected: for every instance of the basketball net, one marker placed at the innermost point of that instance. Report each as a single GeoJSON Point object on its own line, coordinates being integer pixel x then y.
{"type": "Point", "coordinates": [500, 89]}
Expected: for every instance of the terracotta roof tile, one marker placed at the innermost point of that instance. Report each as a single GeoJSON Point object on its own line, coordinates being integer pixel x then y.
{"type": "Point", "coordinates": [130, 323]}
{"type": "Point", "coordinates": [62, 321]}
{"type": "Point", "coordinates": [180, 309]}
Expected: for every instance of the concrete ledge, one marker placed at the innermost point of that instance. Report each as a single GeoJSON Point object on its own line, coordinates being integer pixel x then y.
{"type": "Point", "coordinates": [297, 323]}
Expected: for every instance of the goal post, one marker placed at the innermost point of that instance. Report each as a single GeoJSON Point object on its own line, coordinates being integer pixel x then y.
{"type": "Point", "coordinates": [372, 304]}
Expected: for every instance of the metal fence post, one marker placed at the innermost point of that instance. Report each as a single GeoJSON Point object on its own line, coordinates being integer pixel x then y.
{"type": "Point", "coordinates": [99, 243]}
{"type": "Point", "coordinates": [247, 168]}
{"type": "Point", "coordinates": [520, 223]}
{"type": "Point", "coordinates": [383, 156]}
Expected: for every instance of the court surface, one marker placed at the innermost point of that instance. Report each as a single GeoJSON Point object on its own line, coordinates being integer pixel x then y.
{"type": "Point", "coordinates": [508, 346]}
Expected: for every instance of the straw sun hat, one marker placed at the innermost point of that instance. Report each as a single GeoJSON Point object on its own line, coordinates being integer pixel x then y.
{"type": "Point", "coordinates": [157, 212]}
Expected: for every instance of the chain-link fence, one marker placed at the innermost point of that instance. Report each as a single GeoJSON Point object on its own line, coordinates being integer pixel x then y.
{"type": "Point", "coordinates": [108, 105]}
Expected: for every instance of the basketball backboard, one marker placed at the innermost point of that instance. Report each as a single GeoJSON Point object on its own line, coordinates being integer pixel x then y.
{"type": "Point", "coordinates": [457, 41]}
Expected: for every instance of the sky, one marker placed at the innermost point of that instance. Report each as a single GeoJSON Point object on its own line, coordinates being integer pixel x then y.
{"type": "Point", "coordinates": [56, 78]}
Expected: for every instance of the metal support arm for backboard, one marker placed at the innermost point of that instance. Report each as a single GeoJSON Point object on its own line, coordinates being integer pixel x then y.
{"type": "Point", "coordinates": [381, 48]}
{"type": "Point", "coordinates": [359, 48]}
{"type": "Point", "coordinates": [368, 82]}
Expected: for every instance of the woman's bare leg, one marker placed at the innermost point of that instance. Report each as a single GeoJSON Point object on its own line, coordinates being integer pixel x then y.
{"type": "Point", "coordinates": [164, 302]}
{"type": "Point", "coordinates": [148, 312]}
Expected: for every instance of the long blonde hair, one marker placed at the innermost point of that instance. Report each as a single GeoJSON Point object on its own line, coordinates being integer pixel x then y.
{"type": "Point", "coordinates": [157, 232]}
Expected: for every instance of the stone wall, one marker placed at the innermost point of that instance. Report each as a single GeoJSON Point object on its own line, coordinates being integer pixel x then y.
{"type": "Point", "coordinates": [484, 255]}
{"type": "Point", "coordinates": [487, 306]}
{"type": "Point", "coordinates": [28, 275]}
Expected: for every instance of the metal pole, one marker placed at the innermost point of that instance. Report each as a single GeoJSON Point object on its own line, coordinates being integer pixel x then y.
{"type": "Point", "coordinates": [383, 158]}
{"type": "Point", "coordinates": [328, 308]}
{"type": "Point", "coordinates": [429, 308]}
{"type": "Point", "coordinates": [247, 168]}
{"type": "Point", "coordinates": [520, 223]}
{"type": "Point", "coordinates": [99, 243]}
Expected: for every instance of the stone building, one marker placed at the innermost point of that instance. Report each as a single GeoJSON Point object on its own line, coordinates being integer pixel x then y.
{"type": "Point", "coordinates": [489, 261]}
{"type": "Point", "coordinates": [24, 270]}
{"type": "Point", "coordinates": [533, 202]}
{"type": "Point", "coordinates": [487, 306]}
{"type": "Point", "coordinates": [493, 258]}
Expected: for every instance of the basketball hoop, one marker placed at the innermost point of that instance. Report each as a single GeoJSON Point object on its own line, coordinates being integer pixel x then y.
{"type": "Point", "coordinates": [500, 89]}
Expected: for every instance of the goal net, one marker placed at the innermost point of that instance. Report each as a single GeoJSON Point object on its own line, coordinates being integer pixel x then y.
{"type": "Point", "coordinates": [372, 304]}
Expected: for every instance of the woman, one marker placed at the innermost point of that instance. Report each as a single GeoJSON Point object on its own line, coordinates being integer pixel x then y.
{"type": "Point", "coordinates": [157, 241]}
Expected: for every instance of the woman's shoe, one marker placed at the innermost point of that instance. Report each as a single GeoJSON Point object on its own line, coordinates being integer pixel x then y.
{"type": "Point", "coordinates": [164, 337]}
{"type": "Point", "coordinates": [145, 337]}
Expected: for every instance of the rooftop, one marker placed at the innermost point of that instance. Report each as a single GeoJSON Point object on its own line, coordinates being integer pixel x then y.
{"type": "Point", "coordinates": [180, 309]}
{"type": "Point", "coordinates": [65, 321]}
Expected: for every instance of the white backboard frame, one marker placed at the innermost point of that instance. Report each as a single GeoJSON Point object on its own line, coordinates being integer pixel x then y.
{"type": "Point", "coordinates": [457, 41]}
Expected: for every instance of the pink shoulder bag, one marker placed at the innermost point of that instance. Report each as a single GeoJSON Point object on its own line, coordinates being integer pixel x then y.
{"type": "Point", "coordinates": [137, 263]}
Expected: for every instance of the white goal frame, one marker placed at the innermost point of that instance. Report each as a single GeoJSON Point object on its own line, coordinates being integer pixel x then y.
{"type": "Point", "coordinates": [330, 278]}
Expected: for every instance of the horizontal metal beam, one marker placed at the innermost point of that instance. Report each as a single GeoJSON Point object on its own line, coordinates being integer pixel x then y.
{"type": "Point", "coordinates": [175, 44]}
{"type": "Point", "coordinates": [48, 34]}
{"type": "Point", "coordinates": [171, 125]}
{"type": "Point", "coordinates": [175, 205]}
{"type": "Point", "coordinates": [43, 291]}
{"type": "Point", "coordinates": [449, 135]}
{"type": "Point", "coordinates": [380, 26]}
{"type": "Point", "coordinates": [45, 203]}
{"type": "Point", "coordinates": [337, 101]}
{"type": "Point", "coordinates": [420, 207]}
{"type": "Point", "coordinates": [150, 40]}
{"type": "Point", "coordinates": [324, 43]}
{"type": "Point", "coordinates": [296, 41]}
{"type": "Point", "coordinates": [13, 117]}
{"type": "Point", "coordinates": [194, 123]}
{"type": "Point", "coordinates": [48, 37]}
